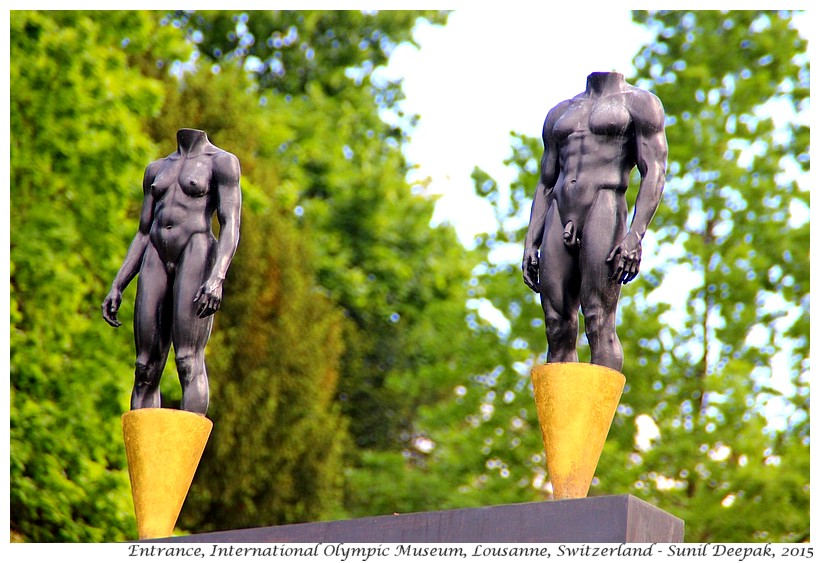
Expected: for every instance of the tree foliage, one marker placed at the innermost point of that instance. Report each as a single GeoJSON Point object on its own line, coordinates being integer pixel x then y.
{"type": "Point", "coordinates": [77, 149]}
{"type": "Point", "coordinates": [279, 438]}
{"type": "Point", "coordinates": [737, 217]}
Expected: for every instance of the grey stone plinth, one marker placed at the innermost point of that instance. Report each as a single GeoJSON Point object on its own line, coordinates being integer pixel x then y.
{"type": "Point", "coordinates": [604, 519]}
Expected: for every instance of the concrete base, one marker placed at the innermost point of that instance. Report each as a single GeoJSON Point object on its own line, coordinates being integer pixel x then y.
{"type": "Point", "coordinates": [605, 519]}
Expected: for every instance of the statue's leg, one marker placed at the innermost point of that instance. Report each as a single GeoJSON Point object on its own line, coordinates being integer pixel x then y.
{"type": "Point", "coordinates": [190, 333]}
{"type": "Point", "coordinates": [605, 228]}
{"type": "Point", "coordinates": [152, 330]}
{"type": "Point", "coordinates": [559, 283]}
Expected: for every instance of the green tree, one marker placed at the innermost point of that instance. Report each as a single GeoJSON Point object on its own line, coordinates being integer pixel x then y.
{"type": "Point", "coordinates": [279, 437]}
{"type": "Point", "coordinates": [77, 149]}
{"type": "Point", "coordinates": [735, 214]}
{"type": "Point", "coordinates": [363, 235]}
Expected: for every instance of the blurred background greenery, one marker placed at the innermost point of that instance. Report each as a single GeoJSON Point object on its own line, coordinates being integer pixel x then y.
{"type": "Point", "coordinates": [351, 373]}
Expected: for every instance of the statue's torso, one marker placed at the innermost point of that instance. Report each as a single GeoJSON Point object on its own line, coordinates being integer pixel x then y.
{"type": "Point", "coordinates": [594, 139]}
{"type": "Point", "coordinates": [184, 202]}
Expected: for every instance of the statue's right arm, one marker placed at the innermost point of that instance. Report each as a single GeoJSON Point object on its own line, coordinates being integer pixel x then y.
{"type": "Point", "coordinates": [133, 258]}
{"type": "Point", "coordinates": [541, 201]}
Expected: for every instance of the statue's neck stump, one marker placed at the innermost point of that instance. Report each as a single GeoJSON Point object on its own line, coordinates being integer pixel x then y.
{"type": "Point", "coordinates": [190, 142]}
{"type": "Point", "coordinates": [603, 83]}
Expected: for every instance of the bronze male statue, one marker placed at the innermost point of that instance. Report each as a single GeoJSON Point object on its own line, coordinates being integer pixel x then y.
{"type": "Point", "coordinates": [578, 251]}
{"type": "Point", "coordinates": [181, 265]}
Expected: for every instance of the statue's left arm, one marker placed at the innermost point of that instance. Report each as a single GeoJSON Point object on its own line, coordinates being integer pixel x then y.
{"type": "Point", "coordinates": [228, 210]}
{"type": "Point", "coordinates": [650, 153]}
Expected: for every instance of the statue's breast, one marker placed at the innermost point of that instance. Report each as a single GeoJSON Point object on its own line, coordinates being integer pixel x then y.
{"type": "Point", "coordinates": [195, 176]}
{"type": "Point", "coordinates": [165, 179]}
{"type": "Point", "coordinates": [573, 121]}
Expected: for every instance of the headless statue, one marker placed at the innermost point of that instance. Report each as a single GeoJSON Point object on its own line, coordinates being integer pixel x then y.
{"type": "Point", "coordinates": [578, 250]}
{"type": "Point", "coordinates": [181, 265]}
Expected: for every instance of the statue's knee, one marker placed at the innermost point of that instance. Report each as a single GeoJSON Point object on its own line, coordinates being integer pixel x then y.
{"type": "Point", "coordinates": [560, 329]}
{"type": "Point", "coordinates": [599, 327]}
{"type": "Point", "coordinates": [188, 365]}
{"type": "Point", "coordinates": [146, 373]}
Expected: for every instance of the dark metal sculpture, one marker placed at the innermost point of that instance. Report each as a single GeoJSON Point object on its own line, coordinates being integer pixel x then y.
{"type": "Point", "coordinates": [578, 250]}
{"type": "Point", "coordinates": [181, 265]}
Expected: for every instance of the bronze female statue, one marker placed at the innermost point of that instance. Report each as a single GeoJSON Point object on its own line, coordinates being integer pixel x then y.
{"type": "Point", "coordinates": [181, 265]}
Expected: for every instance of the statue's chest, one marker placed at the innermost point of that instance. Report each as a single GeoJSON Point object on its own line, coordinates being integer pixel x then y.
{"type": "Point", "coordinates": [610, 117]}
{"type": "Point", "coordinates": [191, 175]}
{"type": "Point", "coordinates": [607, 116]}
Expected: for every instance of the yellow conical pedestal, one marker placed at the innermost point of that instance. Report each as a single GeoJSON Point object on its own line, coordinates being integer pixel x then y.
{"type": "Point", "coordinates": [576, 404]}
{"type": "Point", "coordinates": [163, 447]}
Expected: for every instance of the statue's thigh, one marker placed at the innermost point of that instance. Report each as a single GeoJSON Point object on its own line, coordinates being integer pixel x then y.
{"type": "Point", "coordinates": [559, 277]}
{"type": "Point", "coordinates": [151, 308]}
{"type": "Point", "coordinates": [605, 227]}
{"type": "Point", "coordinates": [194, 266]}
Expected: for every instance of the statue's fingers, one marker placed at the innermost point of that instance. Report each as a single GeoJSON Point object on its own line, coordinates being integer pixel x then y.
{"type": "Point", "coordinates": [531, 284]}
{"type": "Point", "coordinates": [625, 277]}
{"type": "Point", "coordinates": [631, 270]}
{"type": "Point", "coordinates": [527, 279]}
{"type": "Point", "coordinates": [209, 306]}
{"type": "Point", "coordinates": [636, 267]}
{"type": "Point", "coordinates": [111, 319]}
{"type": "Point", "coordinates": [107, 314]}
{"type": "Point", "coordinates": [618, 271]}
{"type": "Point", "coordinates": [625, 262]}
{"type": "Point", "coordinates": [536, 279]}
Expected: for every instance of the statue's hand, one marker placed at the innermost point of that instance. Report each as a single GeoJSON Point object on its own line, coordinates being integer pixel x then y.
{"type": "Point", "coordinates": [530, 268]}
{"type": "Point", "coordinates": [110, 306]}
{"type": "Point", "coordinates": [625, 259]}
{"type": "Point", "coordinates": [209, 297]}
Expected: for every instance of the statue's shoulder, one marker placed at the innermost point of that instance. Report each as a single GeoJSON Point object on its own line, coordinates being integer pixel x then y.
{"type": "Point", "coordinates": [222, 153]}
{"type": "Point", "coordinates": [225, 164]}
{"type": "Point", "coordinates": [558, 110]}
{"type": "Point", "coordinates": [639, 95]}
{"type": "Point", "coordinates": [645, 107]}
{"type": "Point", "coordinates": [561, 107]}
{"type": "Point", "coordinates": [223, 157]}
{"type": "Point", "coordinates": [153, 167]}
